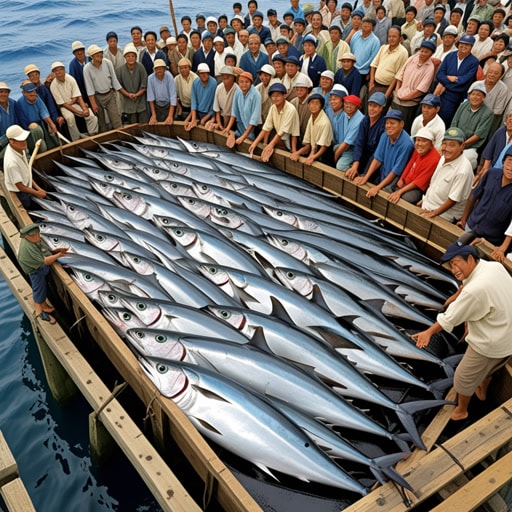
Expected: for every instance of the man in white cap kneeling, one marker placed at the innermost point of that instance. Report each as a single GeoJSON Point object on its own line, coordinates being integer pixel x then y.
{"type": "Point", "coordinates": [17, 173]}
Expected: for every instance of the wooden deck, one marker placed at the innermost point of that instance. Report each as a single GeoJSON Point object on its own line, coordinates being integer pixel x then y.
{"type": "Point", "coordinates": [428, 472]}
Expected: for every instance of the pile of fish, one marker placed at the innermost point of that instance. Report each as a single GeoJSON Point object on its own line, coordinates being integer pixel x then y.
{"type": "Point", "coordinates": [260, 305]}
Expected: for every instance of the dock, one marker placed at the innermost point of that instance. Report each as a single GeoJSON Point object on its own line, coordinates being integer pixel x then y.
{"type": "Point", "coordinates": [451, 470]}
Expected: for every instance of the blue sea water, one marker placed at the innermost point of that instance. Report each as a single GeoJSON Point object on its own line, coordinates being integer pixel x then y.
{"type": "Point", "coordinates": [49, 442]}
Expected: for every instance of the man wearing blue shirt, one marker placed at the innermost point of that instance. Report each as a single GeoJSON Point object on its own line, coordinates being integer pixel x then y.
{"type": "Point", "coordinates": [393, 152]}
{"type": "Point", "coordinates": [161, 94]}
{"type": "Point", "coordinates": [365, 45]}
{"type": "Point", "coordinates": [203, 95]}
{"type": "Point", "coordinates": [253, 59]}
{"type": "Point", "coordinates": [7, 116]}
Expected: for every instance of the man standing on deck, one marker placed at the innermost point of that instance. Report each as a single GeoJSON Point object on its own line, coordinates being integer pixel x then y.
{"type": "Point", "coordinates": [101, 83]}
{"type": "Point", "coordinates": [484, 302]}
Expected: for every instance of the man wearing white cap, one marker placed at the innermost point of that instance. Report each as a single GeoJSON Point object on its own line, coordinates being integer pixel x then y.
{"type": "Point", "coordinates": [101, 83]}
{"type": "Point", "coordinates": [161, 94]}
{"type": "Point", "coordinates": [267, 77]}
{"type": "Point", "coordinates": [7, 116]}
{"type": "Point", "coordinates": [76, 68]}
{"type": "Point", "coordinates": [134, 82]}
{"type": "Point", "coordinates": [17, 174]}
{"type": "Point", "coordinates": [203, 95]}
{"type": "Point", "coordinates": [223, 102]}
{"type": "Point", "coordinates": [67, 96]}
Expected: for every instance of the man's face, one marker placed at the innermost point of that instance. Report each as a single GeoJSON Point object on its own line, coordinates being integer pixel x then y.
{"type": "Point", "coordinates": [237, 25]}
{"type": "Point", "coordinates": [316, 21]}
{"type": "Point", "coordinates": [409, 16]}
{"type": "Point", "coordinates": [302, 92]}
{"type": "Point", "coordinates": [243, 37]}
{"type": "Point", "coordinates": [165, 34]}
{"type": "Point", "coordinates": [294, 3]}
{"type": "Point", "coordinates": [393, 37]}
{"type": "Point", "coordinates": [230, 38]}
{"type": "Point", "coordinates": [223, 23]}
{"type": "Point", "coordinates": [508, 122]}
{"type": "Point", "coordinates": [150, 42]}
{"type": "Point", "coordinates": [80, 55]}
{"type": "Point", "coordinates": [448, 40]}
{"type": "Point", "coordinates": [252, 7]}
{"type": "Point", "coordinates": [254, 44]}
{"type": "Point", "coordinates": [356, 22]}
{"type": "Point", "coordinates": [136, 37]}
{"type": "Point", "coordinates": [336, 102]}
{"type": "Point", "coordinates": [31, 96]}
{"type": "Point", "coordinates": [345, 13]}
{"type": "Point", "coordinates": [212, 27]}
{"type": "Point", "coordinates": [429, 112]}
{"type": "Point", "coordinates": [219, 46]}
{"type": "Point", "coordinates": [97, 58]}
{"type": "Point", "coordinates": [112, 43]}
{"type": "Point", "coordinates": [200, 23]}
{"type": "Point", "coordinates": [461, 268]}
{"type": "Point", "coordinates": [493, 73]}
{"type": "Point", "coordinates": [130, 58]}
{"type": "Point", "coordinates": [279, 67]}
{"type": "Point", "coordinates": [271, 48]}
{"type": "Point", "coordinates": [272, 19]}
{"type": "Point", "coordinates": [424, 54]}
{"type": "Point", "coordinates": [428, 30]}
{"type": "Point", "coordinates": [347, 64]}
{"type": "Point", "coordinates": [291, 69]}
{"type": "Point", "coordinates": [374, 110]}
{"type": "Point", "coordinates": [350, 108]}
{"type": "Point", "coordinates": [315, 106]}
{"type": "Point", "coordinates": [204, 76]}
{"type": "Point", "coordinates": [208, 44]}
{"type": "Point", "coordinates": [4, 94]}
{"type": "Point", "coordinates": [507, 168]}
{"type": "Point", "coordinates": [422, 145]}
{"type": "Point", "coordinates": [451, 150]}
{"type": "Point", "coordinates": [299, 29]}
{"type": "Point", "coordinates": [464, 50]}
{"type": "Point", "coordinates": [184, 70]}
{"type": "Point", "coordinates": [335, 36]}
{"type": "Point", "coordinates": [472, 27]}
{"type": "Point", "coordinates": [227, 80]}
{"type": "Point", "coordinates": [257, 22]}
{"type": "Point", "coordinates": [195, 39]}
{"type": "Point", "coordinates": [393, 128]}
{"type": "Point", "coordinates": [245, 83]}
{"type": "Point", "coordinates": [438, 15]}
{"type": "Point", "coordinates": [60, 73]}
{"type": "Point", "coordinates": [20, 146]}
{"type": "Point", "coordinates": [455, 19]}
{"type": "Point", "coordinates": [182, 45]}
{"type": "Point", "coordinates": [497, 19]}
{"type": "Point", "coordinates": [366, 28]}
{"type": "Point", "coordinates": [278, 99]}
{"type": "Point", "coordinates": [309, 48]}
{"type": "Point", "coordinates": [186, 25]}
{"type": "Point", "coordinates": [326, 83]}
{"type": "Point", "coordinates": [484, 31]}
{"type": "Point", "coordinates": [264, 79]}
{"type": "Point", "coordinates": [476, 99]}
{"type": "Point", "coordinates": [282, 48]}
{"type": "Point", "coordinates": [160, 72]}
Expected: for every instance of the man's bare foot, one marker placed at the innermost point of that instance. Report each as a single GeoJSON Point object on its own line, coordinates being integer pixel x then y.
{"type": "Point", "coordinates": [459, 415]}
{"type": "Point", "coordinates": [480, 393]}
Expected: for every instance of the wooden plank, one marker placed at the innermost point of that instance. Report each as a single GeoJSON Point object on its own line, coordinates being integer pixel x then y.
{"type": "Point", "coordinates": [8, 466]}
{"type": "Point", "coordinates": [432, 472]}
{"type": "Point", "coordinates": [480, 488]}
{"type": "Point", "coordinates": [16, 497]}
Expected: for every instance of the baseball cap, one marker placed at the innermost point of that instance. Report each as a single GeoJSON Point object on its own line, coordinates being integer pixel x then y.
{"type": "Point", "coordinates": [29, 230]}
{"type": "Point", "coordinates": [429, 44]}
{"type": "Point", "coordinates": [339, 90]}
{"type": "Point", "coordinates": [159, 63]}
{"type": "Point", "coordinates": [478, 87]}
{"type": "Point", "coordinates": [268, 69]}
{"type": "Point", "coordinates": [203, 68]}
{"type": "Point", "coordinates": [394, 114]}
{"type": "Point", "coordinates": [425, 133]}
{"type": "Point", "coordinates": [432, 100]}
{"type": "Point", "coordinates": [377, 97]}
{"type": "Point", "coordinates": [467, 39]}
{"type": "Point", "coordinates": [16, 132]}
{"type": "Point", "coordinates": [450, 29]}
{"type": "Point", "coordinates": [93, 50]}
{"type": "Point", "coordinates": [458, 250]}
{"type": "Point", "coordinates": [454, 133]}
{"type": "Point", "coordinates": [277, 87]}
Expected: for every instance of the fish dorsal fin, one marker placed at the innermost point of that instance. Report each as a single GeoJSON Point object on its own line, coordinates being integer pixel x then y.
{"type": "Point", "coordinates": [259, 340]}
{"type": "Point", "coordinates": [207, 426]}
{"type": "Point", "coordinates": [279, 311]}
{"type": "Point", "coordinates": [209, 394]}
{"type": "Point", "coordinates": [318, 297]}
{"type": "Point", "coordinates": [266, 470]}
{"type": "Point", "coordinates": [335, 340]}
{"type": "Point", "coordinates": [244, 296]}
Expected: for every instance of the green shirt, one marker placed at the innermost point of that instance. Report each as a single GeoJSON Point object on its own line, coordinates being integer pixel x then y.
{"type": "Point", "coordinates": [31, 256]}
{"type": "Point", "coordinates": [474, 122]}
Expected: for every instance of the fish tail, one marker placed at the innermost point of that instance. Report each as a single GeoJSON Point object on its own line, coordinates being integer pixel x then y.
{"type": "Point", "coordinates": [383, 466]}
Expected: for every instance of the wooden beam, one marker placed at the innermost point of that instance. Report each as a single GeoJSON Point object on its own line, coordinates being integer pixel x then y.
{"type": "Point", "coordinates": [8, 466]}
{"type": "Point", "coordinates": [478, 490]}
{"type": "Point", "coordinates": [16, 497]}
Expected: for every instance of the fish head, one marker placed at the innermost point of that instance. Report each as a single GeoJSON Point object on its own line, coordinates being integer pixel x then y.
{"type": "Point", "coordinates": [137, 263]}
{"type": "Point", "coordinates": [89, 283]}
{"type": "Point", "coordinates": [203, 191]}
{"type": "Point", "coordinates": [174, 167]}
{"type": "Point", "coordinates": [225, 217]}
{"type": "Point", "coordinates": [170, 380]}
{"type": "Point", "coordinates": [281, 215]}
{"type": "Point", "coordinates": [176, 188]}
{"type": "Point", "coordinates": [199, 208]}
{"type": "Point", "coordinates": [288, 246]}
{"type": "Point", "coordinates": [296, 281]}
{"type": "Point", "coordinates": [157, 343]}
{"type": "Point", "coordinates": [116, 164]}
{"type": "Point", "coordinates": [110, 299]}
{"type": "Point", "coordinates": [54, 241]}
{"type": "Point", "coordinates": [155, 152]}
{"type": "Point", "coordinates": [122, 320]}
{"type": "Point", "coordinates": [183, 236]}
{"type": "Point", "coordinates": [215, 273]}
{"type": "Point", "coordinates": [130, 201]}
{"type": "Point", "coordinates": [148, 312]}
{"type": "Point", "coordinates": [77, 215]}
{"type": "Point", "coordinates": [155, 173]}
{"type": "Point", "coordinates": [231, 316]}
{"type": "Point", "coordinates": [101, 240]}
{"type": "Point", "coordinates": [103, 188]}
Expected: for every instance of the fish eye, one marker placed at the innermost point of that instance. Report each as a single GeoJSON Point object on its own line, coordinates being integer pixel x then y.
{"type": "Point", "coordinates": [140, 335]}
{"type": "Point", "coordinates": [179, 232]}
{"type": "Point", "coordinates": [108, 177]}
{"type": "Point", "coordinates": [136, 259]}
{"type": "Point", "coordinates": [71, 207]}
{"type": "Point", "coordinates": [126, 317]}
{"type": "Point", "coordinates": [161, 338]}
{"type": "Point", "coordinates": [165, 221]}
{"type": "Point", "coordinates": [55, 240]}
{"type": "Point", "coordinates": [100, 238]}
{"type": "Point", "coordinates": [161, 368]}
{"type": "Point", "coordinates": [87, 277]}
{"type": "Point", "coordinates": [225, 314]}
{"type": "Point", "coordinates": [141, 306]}
{"type": "Point", "coordinates": [284, 242]}
{"type": "Point", "coordinates": [290, 275]}
{"type": "Point", "coordinates": [174, 185]}
{"type": "Point", "coordinates": [111, 297]}
{"type": "Point", "coordinates": [204, 187]}
{"type": "Point", "coordinates": [191, 201]}
{"type": "Point", "coordinates": [279, 213]}
{"type": "Point", "coordinates": [212, 270]}
{"type": "Point", "coordinates": [127, 196]}
{"type": "Point", "coordinates": [156, 171]}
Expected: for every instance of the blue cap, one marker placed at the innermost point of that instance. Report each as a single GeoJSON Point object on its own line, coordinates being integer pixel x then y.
{"type": "Point", "coordinates": [394, 114]}
{"type": "Point", "coordinates": [29, 87]}
{"type": "Point", "coordinates": [358, 12]}
{"type": "Point", "coordinates": [310, 39]}
{"type": "Point", "coordinates": [467, 39]}
{"type": "Point", "coordinates": [278, 57]}
{"type": "Point", "coordinates": [347, 5]}
{"type": "Point", "coordinates": [277, 87]}
{"type": "Point", "coordinates": [429, 21]}
{"type": "Point", "coordinates": [258, 13]}
{"type": "Point", "coordinates": [377, 97]}
{"type": "Point", "coordinates": [111, 34]}
{"type": "Point", "coordinates": [458, 250]}
{"type": "Point", "coordinates": [271, 12]}
{"type": "Point", "coordinates": [269, 41]}
{"type": "Point", "coordinates": [430, 45]}
{"type": "Point", "coordinates": [292, 59]}
{"type": "Point", "coordinates": [302, 21]}
{"type": "Point", "coordinates": [432, 100]}
{"type": "Point", "coordinates": [206, 35]}
{"type": "Point", "coordinates": [317, 96]}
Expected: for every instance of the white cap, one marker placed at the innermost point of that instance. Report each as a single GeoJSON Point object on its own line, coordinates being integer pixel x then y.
{"type": "Point", "coordinates": [159, 63]}
{"type": "Point", "coordinates": [57, 64]}
{"type": "Point", "coordinates": [339, 87]}
{"type": "Point", "coordinates": [129, 48]}
{"type": "Point", "coordinates": [218, 39]}
{"type": "Point", "coordinates": [328, 73]}
{"type": "Point", "coordinates": [4, 86]}
{"type": "Point", "coordinates": [450, 29]}
{"type": "Point", "coordinates": [171, 40]}
{"type": "Point", "coordinates": [303, 81]}
{"type": "Point", "coordinates": [425, 133]}
{"type": "Point", "coordinates": [211, 18]}
{"type": "Point", "coordinates": [93, 50]}
{"type": "Point", "coordinates": [16, 132]}
{"type": "Point", "coordinates": [268, 69]}
{"type": "Point", "coordinates": [29, 68]}
{"type": "Point", "coordinates": [203, 68]}
{"type": "Point", "coordinates": [77, 45]}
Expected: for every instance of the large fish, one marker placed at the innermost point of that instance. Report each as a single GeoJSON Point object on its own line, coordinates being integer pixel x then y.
{"type": "Point", "coordinates": [244, 424]}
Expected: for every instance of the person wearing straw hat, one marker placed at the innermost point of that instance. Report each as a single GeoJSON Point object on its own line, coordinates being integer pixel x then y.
{"type": "Point", "coordinates": [7, 116]}
{"type": "Point", "coordinates": [35, 260]}
{"type": "Point", "coordinates": [17, 172]}
{"type": "Point", "coordinates": [161, 94]}
{"type": "Point", "coordinates": [76, 68]}
{"type": "Point", "coordinates": [484, 303]}
{"type": "Point", "coordinates": [183, 81]}
{"type": "Point", "coordinates": [67, 96]}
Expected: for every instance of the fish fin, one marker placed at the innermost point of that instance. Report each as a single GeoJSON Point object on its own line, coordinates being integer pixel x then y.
{"type": "Point", "coordinates": [335, 340]}
{"type": "Point", "coordinates": [450, 362]}
{"type": "Point", "coordinates": [266, 470]}
{"type": "Point", "coordinates": [279, 311]}
{"type": "Point", "coordinates": [209, 394]}
{"type": "Point", "coordinates": [318, 297]}
{"type": "Point", "coordinates": [402, 441]}
{"type": "Point", "coordinates": [207, 426]}
{"type": "Point", "coordinates": [438, 387]}
{"type": "Point", "coordinates": [244, 297]}
{"type": "Point", "coordinates": [383, 466]}
{"type": "Point", "coordinates": [258, 340]}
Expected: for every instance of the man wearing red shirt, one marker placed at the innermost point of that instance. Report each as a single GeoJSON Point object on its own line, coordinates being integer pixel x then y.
{"type": "Point", "coordinates": [416, 176]}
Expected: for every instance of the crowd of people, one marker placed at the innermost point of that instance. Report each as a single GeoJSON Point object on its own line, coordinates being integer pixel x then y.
{"type": "Point", "coordinates": [407, 98]}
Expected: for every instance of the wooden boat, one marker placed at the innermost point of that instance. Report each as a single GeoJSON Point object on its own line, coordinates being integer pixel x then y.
{"type": "Point", "coordinates": [471, 446]}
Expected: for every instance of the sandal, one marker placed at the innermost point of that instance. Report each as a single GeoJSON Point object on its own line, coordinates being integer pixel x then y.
{"type": "Point", "coordinates": [45, 317]}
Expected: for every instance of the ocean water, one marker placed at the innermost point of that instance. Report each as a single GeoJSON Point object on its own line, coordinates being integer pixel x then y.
{"type": "Point", "coordinates": [49, 442]}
